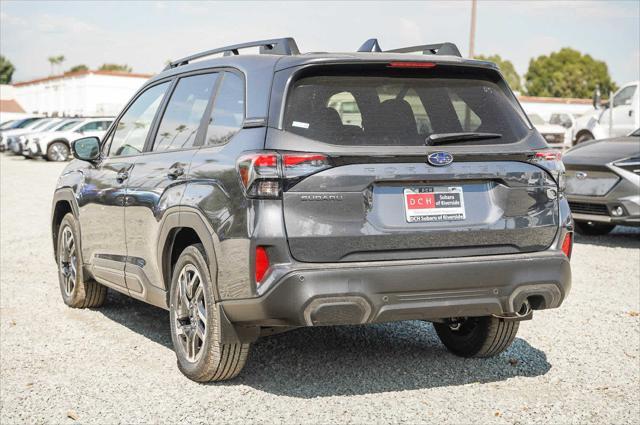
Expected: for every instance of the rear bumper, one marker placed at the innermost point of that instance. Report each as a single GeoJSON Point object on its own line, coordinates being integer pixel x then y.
{"type": "Point", "coordinates": [330, 294]}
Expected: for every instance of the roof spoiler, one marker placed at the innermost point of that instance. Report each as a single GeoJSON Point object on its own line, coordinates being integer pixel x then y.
{"type": "Point", "coordinates": [446, 48]}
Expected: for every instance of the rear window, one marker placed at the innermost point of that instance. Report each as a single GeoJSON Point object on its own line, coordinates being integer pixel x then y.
{"type": "Point", "coordinates": [392, 110]}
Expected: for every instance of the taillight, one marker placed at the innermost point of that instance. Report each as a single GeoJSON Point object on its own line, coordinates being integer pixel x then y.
{"type": "Point", "coordinates": [303, 164]}
{"type": "Point", "coordinates": [549, 155]}
{"type": "Point", "coordinates": [262, 263]}
{"type": "Point", "coordinates": [567, 244]}
{"type": "Point", "coordinates": [264, 174]}
{"type": "Point", "coordinates": [550, 159]}
{"type": "Point", "coordinates": [259, 174]}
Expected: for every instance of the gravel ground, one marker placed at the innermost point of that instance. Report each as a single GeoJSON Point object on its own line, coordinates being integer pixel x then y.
{"type": "Point", "coordinates": [576, 364]}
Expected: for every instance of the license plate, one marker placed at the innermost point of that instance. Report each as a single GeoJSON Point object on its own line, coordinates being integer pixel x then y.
{"type": "Point", "coordinates": [434, 203]}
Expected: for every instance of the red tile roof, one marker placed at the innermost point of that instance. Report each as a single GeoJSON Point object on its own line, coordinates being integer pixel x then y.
{"type": "Point", "coordinates": [10, 106]}
{"type": "Point", "coordinates": [562, 100]}
{"type": "Point", "coordinates": [79, 73]}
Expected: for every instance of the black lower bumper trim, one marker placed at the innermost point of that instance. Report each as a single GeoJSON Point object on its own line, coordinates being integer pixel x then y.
{"type": "Point", "coordinates": [428, 290]}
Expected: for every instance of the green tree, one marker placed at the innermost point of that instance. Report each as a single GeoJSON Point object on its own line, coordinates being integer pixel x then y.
{"type": "Point", "coordinates": [6, 70]}
{"type": "Point", "coordinates": [507, 69]}
{"type": "Point", "coordinates": [567, 73]}
{"type": "Point", "coordinates": [115, 67]}
{"type": "Point", "coordinates": [78, 68]}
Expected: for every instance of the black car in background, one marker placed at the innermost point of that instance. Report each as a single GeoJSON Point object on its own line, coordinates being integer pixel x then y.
{"type": "Point", "coordinates": [603, 183]}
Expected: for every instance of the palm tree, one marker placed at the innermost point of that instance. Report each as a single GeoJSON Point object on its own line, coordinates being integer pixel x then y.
{"type": "Point", "coordinates": [52, 61]}
{"type": "Point", "coordinates": [55, 60]}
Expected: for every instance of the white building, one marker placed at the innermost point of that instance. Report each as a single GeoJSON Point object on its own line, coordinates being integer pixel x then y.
{"type": "Point", "coordinates": [545, 106]}
{"type": "Point", "coordinates": [83, 93]}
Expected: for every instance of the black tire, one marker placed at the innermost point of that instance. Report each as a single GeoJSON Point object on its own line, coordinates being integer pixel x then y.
{"type": "Point", "coordinates": [57, 151]}
{"type": "Point", "coordinates": [213, 361]}
{"type": "Point", "coordinates": [85, 292]}
{"type": "Point", "coordinates": [478, 336]}
{"type": "Point", "coordinates": [584, 137]}
{"type": "Point", "coordinates": [589, 228]}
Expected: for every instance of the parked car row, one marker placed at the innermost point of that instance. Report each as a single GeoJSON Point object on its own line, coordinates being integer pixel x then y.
{"type": "Point", "coordinates": [49, 138]}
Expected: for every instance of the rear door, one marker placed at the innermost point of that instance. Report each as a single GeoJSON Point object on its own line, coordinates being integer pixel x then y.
{"type": "Point", "coordinates": [158, 179]}
{"type": "Point", "coordinates": [388, 194]}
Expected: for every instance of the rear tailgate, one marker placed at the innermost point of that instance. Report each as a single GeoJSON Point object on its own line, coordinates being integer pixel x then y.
{"type": "Point", "coordinates": [381, 198]}
{"type": "Point", "coordinates": [362, 212]}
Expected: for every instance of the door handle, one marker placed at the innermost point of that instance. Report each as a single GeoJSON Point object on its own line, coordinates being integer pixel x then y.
{"type": "Point", "coordinates": [630, 112]}
{"type": "Point", "coordinates": [122, 176]}
{"type": "Point", "coordinates": [175, 172]}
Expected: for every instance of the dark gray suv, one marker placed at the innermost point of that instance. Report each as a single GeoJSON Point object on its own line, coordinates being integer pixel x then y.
{"type": "Point", "coordinates": [249, 194]}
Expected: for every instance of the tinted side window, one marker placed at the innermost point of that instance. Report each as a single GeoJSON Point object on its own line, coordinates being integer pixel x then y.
{"type": "Point", "coordinates": [227, 114]}
{"type": "Point", "coordinates": [132, 129]}
{"type": "Point", "coordinates": [184, 112]}
{"type": "Point", "coordinates": [93, 126]}
{"type": "Point", "coordinates": [624, 97]}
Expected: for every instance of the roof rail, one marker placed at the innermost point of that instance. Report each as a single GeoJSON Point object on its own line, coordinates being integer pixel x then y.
{"type": "Point", "coordinates": [276, 46]}
{"type": "Point", "coordinates": [372, 45]}
{"type": "Point", "coordinates": [431, 49]}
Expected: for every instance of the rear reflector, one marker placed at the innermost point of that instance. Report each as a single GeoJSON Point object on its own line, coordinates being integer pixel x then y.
{"type": "Point", "coordinates": [262, 263]}
{"type": "Point", "coordinates": [567, 244]}
{"type": "Point", "coordinates": [411, 65]}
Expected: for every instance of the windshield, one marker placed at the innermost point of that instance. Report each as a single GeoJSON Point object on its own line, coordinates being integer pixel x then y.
{"type": "Point", "coordinates": [40, 125]}
{"type": "Point", "coordinates": [68, 125]}
{"type": "Point", "coordinates": [7, 124]}
{"type": "Point", "coordinates": [51, 125]}
{"type": "Point", "coordinates": [26, 123]}
{"type": "Point", "coordinates": [399, 111]}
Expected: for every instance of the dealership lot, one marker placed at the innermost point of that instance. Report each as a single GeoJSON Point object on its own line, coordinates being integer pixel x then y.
{"type": "Point", "coordinates": [579, 363]}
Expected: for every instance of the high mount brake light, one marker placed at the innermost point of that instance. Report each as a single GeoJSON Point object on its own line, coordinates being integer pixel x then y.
{"type": "Point", "coordinates": [262, 173]}
{"type": "Point", "coordinates": [411, 65]}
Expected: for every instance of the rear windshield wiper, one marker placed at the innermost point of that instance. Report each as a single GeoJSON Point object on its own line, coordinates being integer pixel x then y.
{"type": "Point", "coordinates": [442, 138]}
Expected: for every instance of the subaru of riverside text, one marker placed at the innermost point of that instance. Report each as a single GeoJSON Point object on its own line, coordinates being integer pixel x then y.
{"type": "Point", "coordinates": [255, 193]}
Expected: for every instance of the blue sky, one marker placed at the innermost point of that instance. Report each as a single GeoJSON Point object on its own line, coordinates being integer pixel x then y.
{"type": "Point", "coordinates": [146, 34]}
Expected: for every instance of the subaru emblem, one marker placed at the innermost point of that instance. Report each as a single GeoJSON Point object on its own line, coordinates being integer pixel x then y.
{"type": "Point", "coordinates": [581, 175]}
{"type": "Point", "coordinates": [440, 159]}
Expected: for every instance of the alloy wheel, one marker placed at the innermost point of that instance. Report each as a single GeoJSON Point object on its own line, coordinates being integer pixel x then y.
{"type": "Point", "coordinates": [191, 312]}
{"type": "Point", "coordinates": [59, 152]}
{"type": "Point", "coordinates": [68, 261]}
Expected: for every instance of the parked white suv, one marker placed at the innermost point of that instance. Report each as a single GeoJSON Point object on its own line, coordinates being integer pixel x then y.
{"type": "Point", "coordinates": [624, 114]}
{"type": "Point", "coordinates": [56, 145]}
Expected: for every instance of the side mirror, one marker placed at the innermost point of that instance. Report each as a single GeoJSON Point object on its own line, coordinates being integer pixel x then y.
{"type": "Point", "coordinates": [86, 149]}
{"type": "Point", "coordinates": [597, 98]}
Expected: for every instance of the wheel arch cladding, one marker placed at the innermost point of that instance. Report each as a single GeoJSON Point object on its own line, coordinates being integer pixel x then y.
{"type": "Point", "coordinates": [177, 240]}
{"type": "Point", "coordinates": [181, 229]}
{"type": "Point", "coordinates": [61, 208]}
